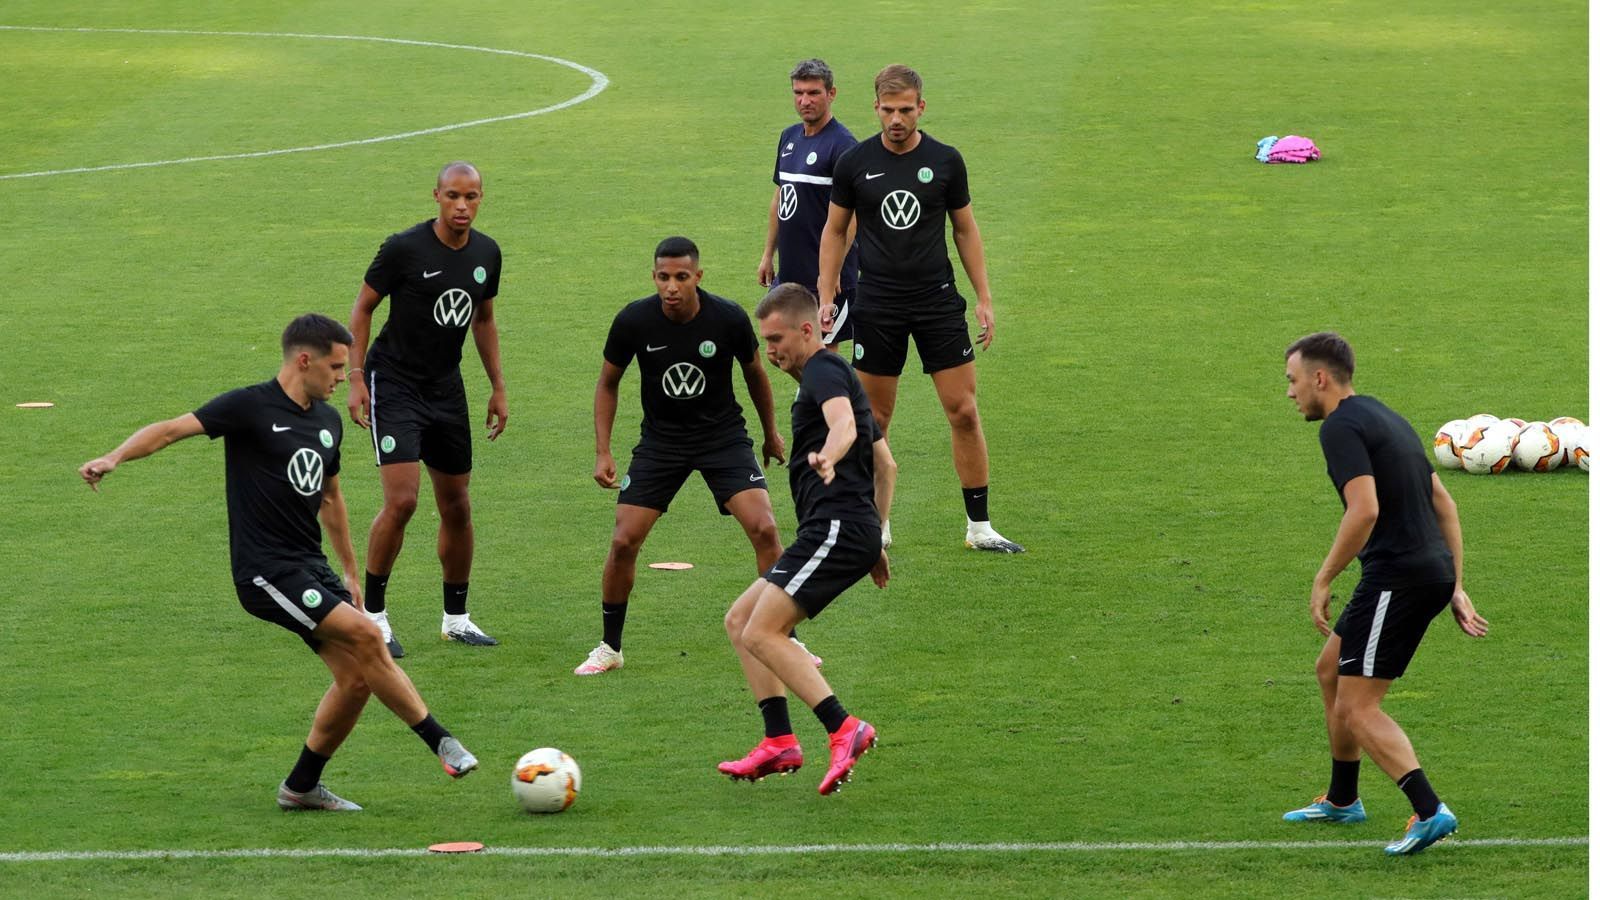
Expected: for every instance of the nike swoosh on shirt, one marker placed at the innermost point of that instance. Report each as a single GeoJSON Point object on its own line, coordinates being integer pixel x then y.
{"type": "Point", "coordinates": [871, 176]}
{"type": "Point", "coordinates": [650, 349]}
{"type": "Point", "coordinates": [427, 274]}
{"type": "Point", "coordinates": [280, 428]}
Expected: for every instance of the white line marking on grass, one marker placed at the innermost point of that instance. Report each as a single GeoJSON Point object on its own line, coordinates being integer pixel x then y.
{"type": "Point", "coordinates": [597, 83]}
{"type": "Point", "coordinates": [798, 849]}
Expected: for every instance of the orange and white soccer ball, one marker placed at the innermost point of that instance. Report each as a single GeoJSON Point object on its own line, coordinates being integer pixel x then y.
{"type": "Point", "coordinates": [546, 780]}
{"type": "Point", "coordinates": [1574, 437]}
{"type": "Point", "coordinates": [1538, 448]}
{"type": "Point", "coordinates": [1447, 443]}
{"type": "Point", "coordinates": [1487, 450]}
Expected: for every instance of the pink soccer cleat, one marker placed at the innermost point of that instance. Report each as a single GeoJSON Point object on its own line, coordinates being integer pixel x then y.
{"type": "Point", "coordinates": [846, 745]}
{"type": "Point", "coordinates": [780, 754]}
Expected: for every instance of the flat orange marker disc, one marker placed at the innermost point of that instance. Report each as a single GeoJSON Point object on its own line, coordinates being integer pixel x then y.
{"type": "Point", "coordinates": [672, 566]}
{"type": "Point", "coordinates": [36, 404]}
{"type": "Point", "coordinates": [455, 847]}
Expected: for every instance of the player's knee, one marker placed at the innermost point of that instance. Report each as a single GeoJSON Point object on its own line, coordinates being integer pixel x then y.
{"type": "Point", "coordinates": [764, 534]}
{"type": "Point", "coordinates": [625, 545]}
{"type": "Point", "coordinates": [734, 622]}
{"type": "Point", "coordinates": [963, 415]}
{"type": "Point", "coordinates": [455, 509]}
{"type": "Point", "coordinates": [400, 506]}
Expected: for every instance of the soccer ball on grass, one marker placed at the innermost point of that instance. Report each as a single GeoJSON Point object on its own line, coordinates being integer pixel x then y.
{"type": "Point", "coordinates": [546, 780]}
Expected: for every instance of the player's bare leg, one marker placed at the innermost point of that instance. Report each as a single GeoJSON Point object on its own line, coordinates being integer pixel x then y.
{"type": "Point", "coordinates": [882, 391]}
{"type": "Point", "coordinates": [1341, 740]}
{"type": "Point", "coordinates": [779, 752]}
{"type": "Point", "coordinates": [766, 635]}
{"type": "Point", "coordinates": [958, 394]}
{"type": "Point", "coordinates": [763, 682]}
{"type": "Point", "coordinates": [633, 524]}
{"type": "Point", "coordinates": [1342, 802]}
{"type": "Point", "coordinates": [341, 706]}
{"type": "Point", "coordinates": [752, 509]}
{"type": "Point", "coordinates": [384, 540]}
{"type": "Point", "coordinates": [455, 556]}
{"type": "Point", "coordinates": [1380, 736]}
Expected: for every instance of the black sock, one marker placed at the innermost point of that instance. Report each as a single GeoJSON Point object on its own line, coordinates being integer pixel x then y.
{"type": "Point", "coordinates": [376, 591]}
{"type": "Point", "coordinates": [431, 732]}
{"type": "Point", "coordinates": [307, 771]}
{"type": "Point", "coordinates": [1423, 800]}
{"type": "Point", "coordinates": [455, 599]}
{"type": "Point", "coordinates": [775, 715]}
{"type": "Point", "coordinates": [831, 713]}
{"type": "Point", "coordinates": [612, 615]}
{"type": "Point", "coordinates": [1342, 784]}
{"type": "Point", "coordinates": [977, 500]}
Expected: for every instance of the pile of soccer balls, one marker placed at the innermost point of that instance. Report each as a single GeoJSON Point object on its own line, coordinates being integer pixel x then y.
{"type": "Point", "coordinates": [1486, 445]}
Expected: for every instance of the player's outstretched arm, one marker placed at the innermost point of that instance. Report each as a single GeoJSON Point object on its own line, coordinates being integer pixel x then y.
{"type": "Point", "coordinates": [359, 403]}
{"type": "Point", "coordinates": [764, 269]}
{"type": "Point", "coordinates": [969, 245]}
{"type": "Point", "coordinates": [755, 380]}
{"type": "Point", "coordinates": [605, 416]}
{"type": "Point", "coordinates": [336, 523]}
{"type": "Point", "coordinates": [1360, 515]}
{"type": "Point", "coordinates": [486, 335]}
{"type": "Point", "coordinates": [140, 444]}
{"type": "Point", "coordinates": [830, 259]}
{"type": "Point", "coordinates": [1444, 507]}
{"type": "Point", "coordinates": [841, 421]}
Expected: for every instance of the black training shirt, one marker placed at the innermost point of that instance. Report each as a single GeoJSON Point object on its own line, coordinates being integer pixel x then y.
{"type": "Point", "coordinates": [901, 202]}
{"type": "Point", "coordinates": [803, 173]}
{"type": "Point", "coordinates": [433, 292]}
{"type": "Point", "coordinates": [826, 375]}
{"type": "Point", "coordinates": [686, 370]}
{"type": "Point", "coordinates": [1364, 437]}
{"type": "Point", "coordinates": [278, 457]}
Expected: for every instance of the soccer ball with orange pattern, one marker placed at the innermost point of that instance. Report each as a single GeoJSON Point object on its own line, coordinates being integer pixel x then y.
{"type": "Point", "coordinates": [546, 780]}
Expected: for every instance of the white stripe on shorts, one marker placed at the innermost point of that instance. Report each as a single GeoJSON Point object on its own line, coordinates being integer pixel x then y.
{"type": "Point", "coordinates": [843, 313]}
{"type": "Point", "coordinates": [285, 602]}
{"type": "Point", "coordinates": [372, 413]}
{"type": "Point", "coordinates": [1371, 656]}
{"type": "Point", "coordinates": [799, 579]}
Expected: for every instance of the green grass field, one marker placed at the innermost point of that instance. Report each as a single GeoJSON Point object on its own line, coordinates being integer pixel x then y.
{"type": "Point", "coordinates": [1141, 677]}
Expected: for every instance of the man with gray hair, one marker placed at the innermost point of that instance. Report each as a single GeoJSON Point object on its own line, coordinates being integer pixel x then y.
{"type": "Point", "coordinates": [803, 173]}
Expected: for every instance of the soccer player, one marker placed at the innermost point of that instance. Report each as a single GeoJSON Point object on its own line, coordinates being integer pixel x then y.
{"type": "Point", "coordinates": [898, 187]}
{"type": "Point", "coordinates": [443, 276]}
{"type": "Point", "coordinates": [803, 173]}
{"type": "Point", "coordinates": [281, 442]}
{"type": "Point", "coordinates": [834, 481]}
{"type": "Point", "coordinates": [1402, 523]}
{"type": "Point", "coordinates": [687, 341]}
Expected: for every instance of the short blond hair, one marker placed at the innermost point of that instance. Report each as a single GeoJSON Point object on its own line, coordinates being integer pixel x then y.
{"type": "Point", "coordinates": [895, 78]}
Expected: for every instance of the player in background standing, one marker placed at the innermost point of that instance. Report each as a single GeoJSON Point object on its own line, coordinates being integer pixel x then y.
{"type": "Point", "coordinates": [834, 482]}
{"type": "Point", "coordinates": [443, 277]}
{"type": "Point", "coordinates": [898, 187]}
{"type": "Point", "coordinates": [1401, 521]}
{"type": "Point", "coordinates": [282, 456]}
{"type": "Point", "coordinates": [687, 341]}
{"type": "Point", "coordinates": [803, 173]}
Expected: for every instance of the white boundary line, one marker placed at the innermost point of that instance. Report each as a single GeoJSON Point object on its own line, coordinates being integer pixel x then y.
{"type": "Point", "coordinates": [597, 83]}
{"type": "Point", "coordinates": [798, 849]}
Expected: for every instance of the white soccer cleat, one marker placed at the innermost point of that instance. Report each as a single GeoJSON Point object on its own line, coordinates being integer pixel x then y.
{"type": "Point", "coordinates": [460, 629]}
{"type": "Point", "coordinates": [815, 659]}
{"type": "Point", "coordinates": [601, 659]}
{"type": "Point", "coordinates": [982, 536]}
{"type": "Point", "coordinates": [318, 798]}
{"type": "Point", "coordinates": [381, 619]}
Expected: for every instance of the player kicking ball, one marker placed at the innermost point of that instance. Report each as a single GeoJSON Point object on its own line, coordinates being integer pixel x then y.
{"type": "Point", "coordinates": [282, 455]}
{"type": "Point", "coordinates": [836, 485]}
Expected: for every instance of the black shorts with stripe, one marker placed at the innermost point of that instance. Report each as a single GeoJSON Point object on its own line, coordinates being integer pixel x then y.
{"type": "Point", "coordinates": [410, 425]}
{"type": "Point", "coordinates": [843, 328]}
{"type": "Point", "coordinates": [1379, 630]}
{"type": "Point", "coordinates": [296, 600]}
{"type": "Point", "coordinates": [937, 323]}
{"type": "Point", "coordinates": [827, 556]}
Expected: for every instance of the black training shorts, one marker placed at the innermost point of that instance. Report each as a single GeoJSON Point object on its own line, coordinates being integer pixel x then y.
{"type": "Point", "coordinates": [410, 425]}
{"type": "Point", "coordinates": [1379, 630]}
{"type": "Point", "coordinates": [297, 600]}
{"type": "Point", "coordinates": [937, 323]}
{"type": "Point", "coordinates": [655, 474]}
{"type": "Point", "coordinates": [827, 556]}
{"type": "Point", "coordinates": [844, 328]}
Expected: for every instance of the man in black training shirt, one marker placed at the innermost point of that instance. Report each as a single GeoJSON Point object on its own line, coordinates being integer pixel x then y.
{"type": "Point", "coordinates": [803, 172]}
{"type": "Point", "coordinates": [1401, 521]}
{"type": "Point", "coordinates": [898, 187]}
{"type": "Point", "coordinates": [443, 277]}
{"type": "Point", "coordinates": [835, 485]}
{"type": "Point", "coordinates": [686, 341]}
{"type": "Point", "coordinates": [281, 446]}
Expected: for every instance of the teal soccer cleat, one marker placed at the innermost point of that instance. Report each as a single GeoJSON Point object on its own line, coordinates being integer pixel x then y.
{"type": "Point", "coordinates": [1320, 810]}
{"type": "Point", "coordinates": [1420, 835]}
